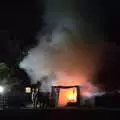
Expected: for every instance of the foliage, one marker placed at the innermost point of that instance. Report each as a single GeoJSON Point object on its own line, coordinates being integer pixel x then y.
{"type": "Point", "coordinates": [6, 75]}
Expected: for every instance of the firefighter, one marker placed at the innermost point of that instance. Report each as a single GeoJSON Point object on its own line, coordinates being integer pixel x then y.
{"type": "Point", "coordinates": [36, 95]}
{"type": "Point", "coordinates": [32, 95]}
{"type": "Point", "coordinates": [41, 98]}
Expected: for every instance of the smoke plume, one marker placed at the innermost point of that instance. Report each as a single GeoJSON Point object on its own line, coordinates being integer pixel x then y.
{"type": "Point", "coordinates": [70, 52]}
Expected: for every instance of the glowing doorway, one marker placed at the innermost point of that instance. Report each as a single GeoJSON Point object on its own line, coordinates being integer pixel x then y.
{"type": "Point", "coordinates": [67, 95]}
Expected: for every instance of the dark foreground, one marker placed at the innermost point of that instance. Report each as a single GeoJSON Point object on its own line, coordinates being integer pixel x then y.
{"type": "Point", "coordinates": [60, 114]}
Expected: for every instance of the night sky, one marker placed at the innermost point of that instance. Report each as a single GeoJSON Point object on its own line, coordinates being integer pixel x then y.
{"type": "Point", "coordinates": [20, 20]}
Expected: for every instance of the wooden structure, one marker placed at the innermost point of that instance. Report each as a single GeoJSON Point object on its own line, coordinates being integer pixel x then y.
{"type": "Point", "coordinates": [58, 88]}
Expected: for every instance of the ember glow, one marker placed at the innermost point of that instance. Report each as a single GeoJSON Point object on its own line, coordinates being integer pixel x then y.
{"type": "Point", "coordinates": [72, 63]}
{"type": "Point", "coordinates": [68, 54]}
{"type": "Point", "coordinates": [67, 95]}
{"type": "Point", "coordinates": [72, 95]}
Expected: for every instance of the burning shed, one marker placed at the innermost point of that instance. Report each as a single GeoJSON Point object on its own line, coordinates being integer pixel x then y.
{"type": "Point", "coordinates": [66, 94]}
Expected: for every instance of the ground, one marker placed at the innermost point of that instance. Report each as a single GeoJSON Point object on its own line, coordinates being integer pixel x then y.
{"type": "Point", "coordinates": [60, 114]}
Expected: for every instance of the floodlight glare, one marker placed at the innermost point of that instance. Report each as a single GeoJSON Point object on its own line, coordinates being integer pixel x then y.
{"type": "Point", "coordinates": [1, 89]}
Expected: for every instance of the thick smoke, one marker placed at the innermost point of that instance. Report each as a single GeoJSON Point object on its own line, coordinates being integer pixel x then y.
{"type": "Point", "coordinates": [65, 53]}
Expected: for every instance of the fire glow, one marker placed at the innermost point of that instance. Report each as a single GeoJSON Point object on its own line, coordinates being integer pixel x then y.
{"type": "Point", "coordinates": [68, 57]}
{"type": "Point", "coordinates": [67, 95]}
{"type": "Point", "coordinates": [72, 96]}
{"type": "Point", "coordinates": [72, 63]}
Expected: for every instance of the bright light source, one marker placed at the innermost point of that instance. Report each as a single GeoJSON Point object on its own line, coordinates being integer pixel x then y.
{"type": "Point", "coordinates": [66, 96]}
{"type": "Point", "coordinates": [72, 96]}
{"type": "Point", "coordinates": [28, 90]}
{"type": "Point", "coordinates": [1, 89]}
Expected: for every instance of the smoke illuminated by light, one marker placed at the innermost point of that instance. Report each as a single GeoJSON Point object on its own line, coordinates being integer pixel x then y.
{"type": "Point", "coordinates": [67, 55]}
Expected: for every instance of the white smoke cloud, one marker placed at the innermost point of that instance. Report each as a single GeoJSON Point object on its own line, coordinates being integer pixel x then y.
{"type": "Point", "coordinates": [72, 61]}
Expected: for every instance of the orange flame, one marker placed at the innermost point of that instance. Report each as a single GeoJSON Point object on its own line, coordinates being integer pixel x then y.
{"type": "Point", "coordinates": [67, 95]}
{"type": "Point", "coordinates": [76, 65]}
{"type": "Point", "coordinates": [72, 96]}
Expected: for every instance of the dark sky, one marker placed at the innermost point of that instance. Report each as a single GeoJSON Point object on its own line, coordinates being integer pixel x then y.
{"type": "Point", "coordinates": [21, 19]}
{"type": "Point", "coordinates": [19, 22]}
